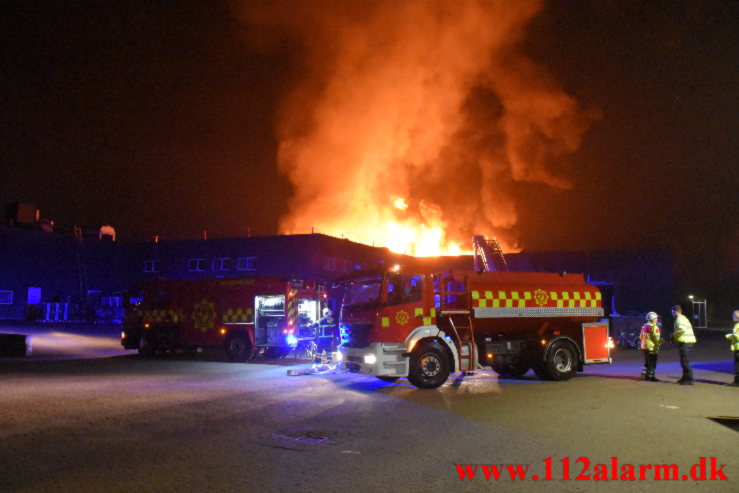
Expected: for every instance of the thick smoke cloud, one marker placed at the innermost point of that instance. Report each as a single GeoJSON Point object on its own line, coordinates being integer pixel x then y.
{"type": "Point", "coordinates": [411, 121]}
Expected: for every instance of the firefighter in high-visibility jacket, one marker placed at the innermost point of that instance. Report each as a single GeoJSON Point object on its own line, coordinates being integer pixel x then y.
{"type": "Point", "coordinates": [733, 337]}
{"type": "Point", "coordinates": [325, 336]}
{"type": "Point", "coordinates": [685, 338]}
{"type": "Point", "coordinates": [650, 341]}
{"type": "Point", "coordinates": [327, 331]}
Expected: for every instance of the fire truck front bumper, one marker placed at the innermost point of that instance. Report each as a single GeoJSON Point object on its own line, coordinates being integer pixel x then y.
{"type": "Point", "coordinates": [379, 359]}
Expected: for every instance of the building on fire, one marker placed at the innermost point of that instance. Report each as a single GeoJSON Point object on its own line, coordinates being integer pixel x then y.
{"type": "Point", "coordinates": [50, 274]}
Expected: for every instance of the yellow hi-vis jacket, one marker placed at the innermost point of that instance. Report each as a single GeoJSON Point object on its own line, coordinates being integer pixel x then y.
{"type": "Point", "coordinates": [683, 330]}
{"type": "Point", "coordinates": [650, 337]}
{"type": "Point", "coordinates": [733, 337]}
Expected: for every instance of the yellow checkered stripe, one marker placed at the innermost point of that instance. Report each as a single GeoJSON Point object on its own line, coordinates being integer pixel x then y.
{"type": "Point", "coordinates": [238, 315]}
{"type": "Point", "coordinates": [575, 299]}
{"type": "Point", "coordinates": [535, 299]}
{"type": "Point", "coordinates": [428, 317]}
{"type": "Point", "coordinates": [501, 299]}
{"type": "Point", "coordinates": [162, 315]}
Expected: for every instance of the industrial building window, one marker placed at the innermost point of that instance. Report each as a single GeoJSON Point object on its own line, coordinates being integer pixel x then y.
{"type": "Point", "coordinates": [329, 264]}
{"type": "Point", "coordinates": [151, 266]}
{"type": "Point", "coordinates": [246, 263]}
{"type": "Point", "coordinates": [6, 297]}
{"type": "Point", "coordinates": [221, 264]}
{"type": "Point", "coordinates": [196, 265]}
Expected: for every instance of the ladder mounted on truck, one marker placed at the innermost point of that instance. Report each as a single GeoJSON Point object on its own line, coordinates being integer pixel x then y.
{"type": "Point", "coordinates": [454, 304]}
{"type": "Point", "coordinates": [488, 255]}
{"type": "Point", "coordinates": [464, 336]}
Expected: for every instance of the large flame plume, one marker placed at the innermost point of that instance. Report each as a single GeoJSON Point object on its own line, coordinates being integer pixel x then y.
{"type": "Point", "coordinates": [412, 120]}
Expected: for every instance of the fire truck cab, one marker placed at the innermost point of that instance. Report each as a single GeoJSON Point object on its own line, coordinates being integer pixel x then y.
{"type": "Point", "coordinates": [424, 325]}
{"type": "Point", "coordinates": [244, 316]}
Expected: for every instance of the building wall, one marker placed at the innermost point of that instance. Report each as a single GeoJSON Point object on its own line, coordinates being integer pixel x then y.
{"type": "Point", "coordinates": [310, 256]}
{"type": "Point", "coordinates": [642, 281]}
{"type": "Point", "coordinates": [50, 262]}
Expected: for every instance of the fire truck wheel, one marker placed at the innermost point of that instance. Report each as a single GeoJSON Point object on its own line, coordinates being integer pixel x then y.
{"type": "Point", "coordinates": [561, 361]}
{"type": "Point", "coordinates": [514, 370]}
{"type": "Point", "coordinates": [147, 347]}
{"type": "Point", "coordinates": [238, 347]}
{"type": "Point", "coordinates": [429, 366]}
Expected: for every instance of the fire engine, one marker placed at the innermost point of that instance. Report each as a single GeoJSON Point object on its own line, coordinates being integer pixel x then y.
{"type": "Point", "coordinates": [424, 325]}
{"type": "Point", "coordinates": [244, 316]}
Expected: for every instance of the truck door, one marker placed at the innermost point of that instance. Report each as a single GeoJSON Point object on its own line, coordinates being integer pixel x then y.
{"type": "Point", "coordinates": [403, 306]}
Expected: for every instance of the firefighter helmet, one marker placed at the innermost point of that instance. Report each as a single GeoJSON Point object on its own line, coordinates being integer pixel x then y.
{"type": "Point", "coordinates": [652, 316]}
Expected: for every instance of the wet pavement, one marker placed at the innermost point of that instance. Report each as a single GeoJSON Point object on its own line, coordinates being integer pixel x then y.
{"type": "Point", "coordinates": [81, 414]}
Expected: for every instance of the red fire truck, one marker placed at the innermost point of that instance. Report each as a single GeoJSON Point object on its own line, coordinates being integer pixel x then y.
{"type": "Point", "coordinates": [245, 316]}
{"type": "Point", "coordinates": [425, 325]}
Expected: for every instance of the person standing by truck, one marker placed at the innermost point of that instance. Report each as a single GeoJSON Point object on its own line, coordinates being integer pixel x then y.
{"type": "Point", "coordinates": [327, 334]}
{"type": "Point", "coordinates": [650, 340]}
{"type": "Point", "coordinates": [685, 338]}
{"type": "Point", "coordinates": [326, 337]}
{"type": "Point", "coordinates": [733, 337]}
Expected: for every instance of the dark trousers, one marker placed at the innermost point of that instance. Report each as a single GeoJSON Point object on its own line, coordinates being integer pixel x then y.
{"type": "Point", "coordinates": [736, 366]}
{"type": "Point", "coordinates": [650, 364]}
{"type": "Point", "coordinates": [686, 349]}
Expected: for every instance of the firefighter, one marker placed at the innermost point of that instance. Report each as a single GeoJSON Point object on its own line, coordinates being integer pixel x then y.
{"type": "Point", "coordinates": [733, 337]}
{"type": "Point", "coordinates": [650, 340]}
{"type": "Point", "coordinates": [326, 331]}
{"type": "Point", "coordinates": [685, 338]}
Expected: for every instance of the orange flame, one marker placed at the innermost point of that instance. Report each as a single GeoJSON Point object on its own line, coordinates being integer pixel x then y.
{"type": "Point", "coordinates": [411, 122]}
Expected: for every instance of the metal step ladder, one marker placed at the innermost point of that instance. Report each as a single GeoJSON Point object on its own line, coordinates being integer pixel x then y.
{"type": "Point", "coordinates": [465, 340]}
{"type": "Point", "coordinates": [455, 306]}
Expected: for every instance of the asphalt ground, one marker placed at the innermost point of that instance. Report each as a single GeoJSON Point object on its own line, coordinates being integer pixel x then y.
{"type": "Point", "coordinates": [80, 414]}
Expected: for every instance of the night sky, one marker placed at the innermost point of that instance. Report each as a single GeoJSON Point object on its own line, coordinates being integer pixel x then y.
{"type": "Point", "coordinates": [159, 118]}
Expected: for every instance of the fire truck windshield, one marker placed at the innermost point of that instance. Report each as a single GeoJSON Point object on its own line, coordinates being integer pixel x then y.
{"type": "Point", "coordinates": [362, 294]}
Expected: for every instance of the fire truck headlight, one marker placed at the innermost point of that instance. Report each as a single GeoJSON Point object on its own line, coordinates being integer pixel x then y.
{"type": "Point", "coordinates": [610, 344]}
{"type": "Point", "coordinates": [337, 356]}
{"type": "Point", "coordinates": [123, 335]}
{"type": "Point", "coordinates": [370, 359]}
{"type": "Point", "coordinates": [292, 340]}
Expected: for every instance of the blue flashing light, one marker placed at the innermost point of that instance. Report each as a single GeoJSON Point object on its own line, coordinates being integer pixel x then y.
{"type": "Point", "coordinates": [292, 340]}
